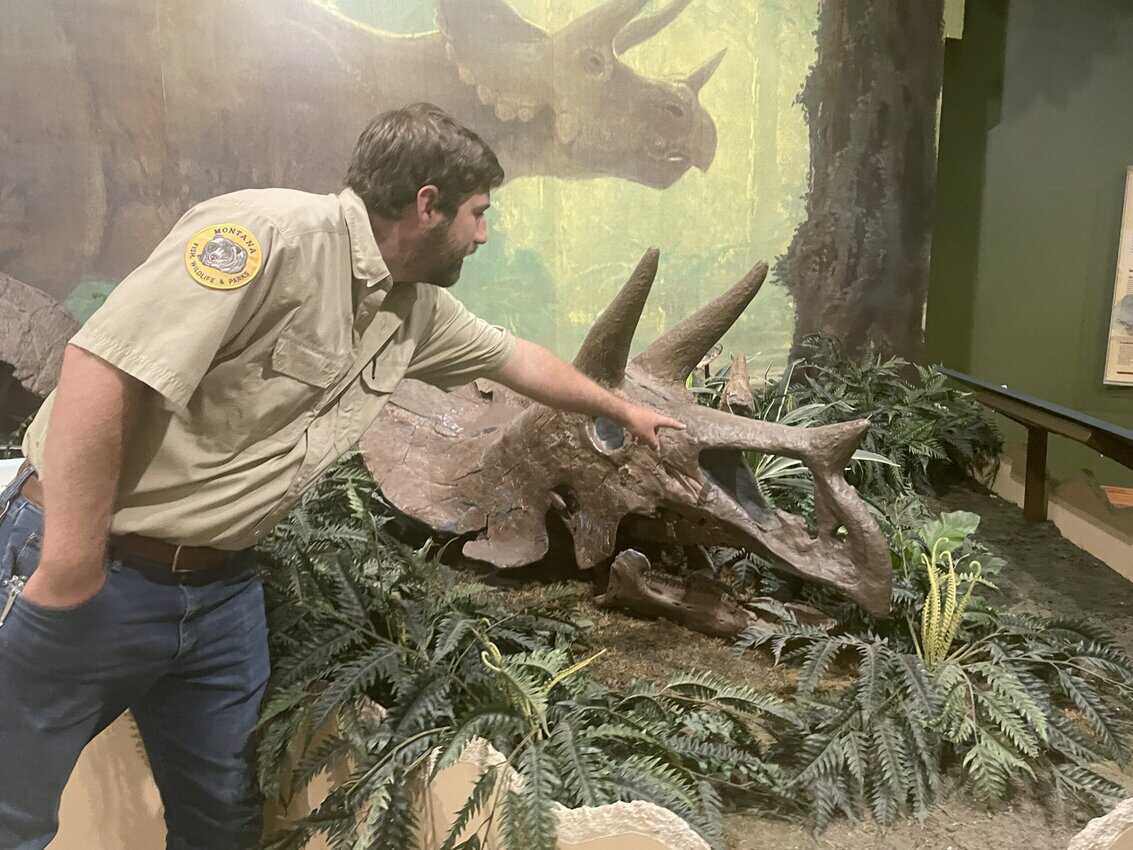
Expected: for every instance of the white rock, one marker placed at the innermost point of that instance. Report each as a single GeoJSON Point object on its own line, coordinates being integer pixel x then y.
{"type": "Point", "coordinates": [1110, 832]}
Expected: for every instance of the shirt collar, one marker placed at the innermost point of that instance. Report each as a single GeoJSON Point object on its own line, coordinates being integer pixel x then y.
{"type": "Point", "coordinates": [365, 258]}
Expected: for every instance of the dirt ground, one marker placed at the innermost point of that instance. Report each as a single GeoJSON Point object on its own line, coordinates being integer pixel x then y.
{"type": "Point", "coordinates": [1046, 574]}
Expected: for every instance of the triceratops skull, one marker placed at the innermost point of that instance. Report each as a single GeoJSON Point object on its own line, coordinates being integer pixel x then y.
{"type": "Point", "coordinates": [487, 463]}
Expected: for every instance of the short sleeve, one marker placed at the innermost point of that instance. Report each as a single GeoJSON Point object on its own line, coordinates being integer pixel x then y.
{"type": "Point", "coordinates": [166, 321]}
{"type": "Point", "coordinates": [456, 347]}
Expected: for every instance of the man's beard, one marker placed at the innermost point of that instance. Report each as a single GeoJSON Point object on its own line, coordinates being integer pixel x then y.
{"type": "Point", "coordinates": [441, 260]}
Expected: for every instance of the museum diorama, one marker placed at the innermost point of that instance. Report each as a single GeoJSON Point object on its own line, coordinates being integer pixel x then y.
{"type": "Point", "coordinates": [858, 256]}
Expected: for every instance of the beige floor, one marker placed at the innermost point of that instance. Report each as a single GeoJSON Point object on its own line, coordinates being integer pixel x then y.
{"type": "Point", "coordinates": [111, 802]}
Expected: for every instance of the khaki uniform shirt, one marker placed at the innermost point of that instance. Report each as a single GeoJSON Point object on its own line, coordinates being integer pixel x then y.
{"type": "Point", "coordinates": [244, 321]}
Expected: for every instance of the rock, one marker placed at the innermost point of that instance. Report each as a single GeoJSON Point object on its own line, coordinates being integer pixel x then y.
{"type": "Point", "coordinates": [1110, 832]}
{"type": "Point", "coordinates": [34, 329]}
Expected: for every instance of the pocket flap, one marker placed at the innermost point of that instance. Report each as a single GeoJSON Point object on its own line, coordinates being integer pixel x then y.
{"type": "Point", "coordinates": [383, 377]}
{"type": "Point", "coordinates": [301, 361]}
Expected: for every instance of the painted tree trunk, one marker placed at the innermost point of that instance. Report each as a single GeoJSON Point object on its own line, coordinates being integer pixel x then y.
{"type": "Point", "coordinates": [858, 264]}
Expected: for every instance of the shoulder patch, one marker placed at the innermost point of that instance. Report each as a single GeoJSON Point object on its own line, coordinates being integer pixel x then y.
{"type": "Point", "coordinates": [223, 256]}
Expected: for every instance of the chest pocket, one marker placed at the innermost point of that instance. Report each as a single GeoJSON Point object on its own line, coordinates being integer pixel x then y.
{"type": "Point", "coordinates": [313, 366]}
{"type": "Point", "coordinates": [295, 385]}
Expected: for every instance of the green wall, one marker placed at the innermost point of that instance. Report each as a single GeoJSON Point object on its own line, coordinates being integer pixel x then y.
{"type": "Point", "coordinates": [1036, 134]}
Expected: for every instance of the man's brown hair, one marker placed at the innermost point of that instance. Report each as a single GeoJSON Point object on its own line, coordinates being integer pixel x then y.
{"type": "Point", "coordinates": [414, 146]}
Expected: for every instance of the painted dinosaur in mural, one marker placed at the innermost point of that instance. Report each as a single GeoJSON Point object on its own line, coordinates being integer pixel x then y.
{"type": "Point", "coordinates": [118, 116]}
{"type": "Point", "coordinates": [487, 465]}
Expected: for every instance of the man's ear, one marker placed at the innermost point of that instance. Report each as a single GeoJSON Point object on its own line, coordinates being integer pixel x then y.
{"type": "Point", "coordinates": [428, 197]}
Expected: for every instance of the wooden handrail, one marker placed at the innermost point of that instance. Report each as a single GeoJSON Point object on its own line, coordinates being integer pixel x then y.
{"type": "Point", "coordinates": [1040, 418]}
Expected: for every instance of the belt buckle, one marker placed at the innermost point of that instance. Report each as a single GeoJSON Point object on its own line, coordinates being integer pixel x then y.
{"type": "Point", "coordinates": [176, 555]}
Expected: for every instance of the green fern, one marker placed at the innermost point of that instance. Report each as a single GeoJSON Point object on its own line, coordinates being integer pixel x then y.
{"type": "Point", "coordinates": [919, 423]}
{"type": "Point", "coordinates": [360, 620]}
{"type": "Point", "coordinates": [1013, 702]}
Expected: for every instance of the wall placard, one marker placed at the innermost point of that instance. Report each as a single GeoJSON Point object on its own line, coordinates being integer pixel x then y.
{"type": "Point", "coordinates": [1119, 354]}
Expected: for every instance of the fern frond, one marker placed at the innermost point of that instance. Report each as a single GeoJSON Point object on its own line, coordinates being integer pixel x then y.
{"type": "Point", "coordinates": [819, 656]}
{"type": "Point", "coordinates": [450, 632]}
{"type": "Point", "coordinates": [990, 766]}
{"type": "Point", "coordinates": [481, 794]}
{"type": "Point", "coordinates": [893, 762]}
{"type": "Point", "coordinates": [870, 684]}
{"type": "Point", "coordinates": [823, 756]}
{"type": "Point", "coordinates": [1006, 683]}
{"type": "Point", "coordinates": [324, 756]}
{"type": "Point", "coordinates": [651, 778]}
{"type": "Point", "coordinates": [1094, 710]}
{"type": "Point", "coordinates": [353, 679]}
{"type": "Point", "coordinates": [1087, 786]}
{"type": "Point", "coordinates": [919, 688]}
{"type": "Point", "coordinates": [303, 667]}
{"type": "Point", "coordinates": [1014, 727]}
{"type": "Point", "coordinates": [582, 765]}
{"type": "Point", "coordinates": [425, 703]}
{"type": "Point", "coordinates": [487, 721]}
{"type": "Point", "coordinates": [538, 774]}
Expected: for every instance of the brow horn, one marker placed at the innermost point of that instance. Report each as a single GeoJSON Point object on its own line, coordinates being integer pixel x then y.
{"type": "Point", "coordinates": [604, 22]}
{"type": "Point", "coordinates": [605, 350]}
{"type": "Point", "coordinates": [674, 354]}
{"type": "Point", "coordinates": [644, 28]}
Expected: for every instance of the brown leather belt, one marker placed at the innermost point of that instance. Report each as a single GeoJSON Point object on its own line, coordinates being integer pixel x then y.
{"type": "Point", "coordinates": [179, 559]}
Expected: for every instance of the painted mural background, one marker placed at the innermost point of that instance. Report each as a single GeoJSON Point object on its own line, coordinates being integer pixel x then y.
{"type": "Point", "coordinates": [800, 132]}
{"type": "Point", "coordinates": [118, 117]}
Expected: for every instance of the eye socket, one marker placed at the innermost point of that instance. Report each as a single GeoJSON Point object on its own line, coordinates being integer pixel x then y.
{"type": "Point", "coordinates": [608, 435]}
{"type": "Point", "coordinates": [675, 109]}
{"type": "Point", "coordinates": [594, 63]}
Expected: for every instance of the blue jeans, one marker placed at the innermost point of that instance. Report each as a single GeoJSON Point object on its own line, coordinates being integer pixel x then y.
{"type": "Point", "coordinates": [191, 663]}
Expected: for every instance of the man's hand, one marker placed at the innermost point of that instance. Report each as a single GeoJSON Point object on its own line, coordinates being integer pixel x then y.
{"type": "Point", "coordinates": [644, 424]}
{"type": "Point", "coordinates": [64, 585]}
{"type": "Point", "coordinates": [538, 374]}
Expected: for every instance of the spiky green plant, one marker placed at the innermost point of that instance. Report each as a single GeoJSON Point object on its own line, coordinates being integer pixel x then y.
{"type": "Point", "coordinates": [919, 419]}
{"type": "Point", "coordinates": [360, 621]}
{"type": "Point", "coordinates": [944, 608]}
{"type": "Point", "coordinates": [950, 691]}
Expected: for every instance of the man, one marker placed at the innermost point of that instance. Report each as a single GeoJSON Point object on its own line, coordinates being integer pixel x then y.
{"type": "Point", "coordinates": [220, 379]}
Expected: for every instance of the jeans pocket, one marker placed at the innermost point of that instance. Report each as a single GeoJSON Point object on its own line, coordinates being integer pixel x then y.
{"type": "Point", "coordinates": [18, 542]}
{"type": "Point", "coordinates": [19, 525]}
{"type": "Point", "coordinates": [67, 612]}
{"type": "Point", "coordinates": [7, 558]}
{"type": "Point", "coordinates": [24, 564]}
{"type": "Point", "coordinates": [25, 557]}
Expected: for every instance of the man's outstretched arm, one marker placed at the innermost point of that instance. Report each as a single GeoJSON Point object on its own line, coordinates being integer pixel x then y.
{"type": "Point", "coordinates": [540, 375]}
{"type": "Point", "coordinates": [82, 461]}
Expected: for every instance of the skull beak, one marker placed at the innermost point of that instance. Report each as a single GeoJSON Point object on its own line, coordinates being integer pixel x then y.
{"type": "Point", "coordinates": [704, 149]}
